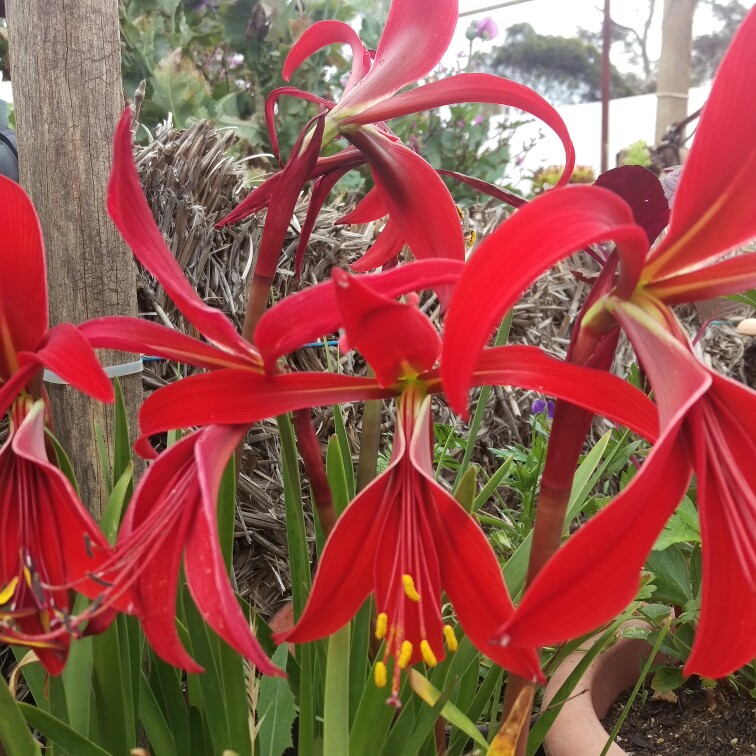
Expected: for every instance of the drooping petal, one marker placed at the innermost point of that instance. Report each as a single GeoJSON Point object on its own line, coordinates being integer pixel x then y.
{"type": "Point", "coordinates": [320, 35]}
{"type": "Point", "coordinates": [597, 572]}
{"type": "Point", "coordinates": [66, 352]}
{"type": "Point", "coordinates": [713, 210]}
{"type": "Point", "coordinates": [230, 397]}
{"type": "Point", "coordinates": [205, 568]}
{"type": "Point", "coordinates": [314, 312]}
{"type": "Point", "coordinates": [412, 43]}
{"type": "Point", "coordinates": [485, 187]}
{"type": "Point", "coordinates": [415, 196]}
{"type": "Point", "coordinates": [511, 258]}
{"type": "Point", "coordinates": [642, 190]}
{"type": "Point", "coordinates": [13, 386]}
{"type": "Point", "coordinates": [386, 248]}
{"type": "Point", "coordinates": [130, 212]}
{"type": "Point", "coordinates": [601, 392]}
{"type": "Point", "coordinates": [344, 578]}
{"type": "Point", "coordinates": [23, 283]}
{"type": "Point", "coordinates": [730, 276]}
{"type": "Point", "coordinates": [464, 88]}
{"type": "Point", "coordinates": [369, 208]}
{"type": "Point", "coordinates": [148, 338]}
{"type": "Point", "coordinates": [396, 339]}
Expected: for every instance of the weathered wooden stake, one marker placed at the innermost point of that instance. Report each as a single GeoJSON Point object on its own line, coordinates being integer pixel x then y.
{"type": "Point", "coordinates": [66, 75]}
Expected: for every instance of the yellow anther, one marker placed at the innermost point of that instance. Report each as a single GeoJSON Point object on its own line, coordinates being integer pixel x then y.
{"type": "Point", "coordinates": [379, 674]}
{"type": "Point", "coordinates": [409, 588]}
{"type": "Point", "coordinates": [405, 654]}
{"type": "Point", "coordinates": [460, 212]}
{"type": "Point", "coordinates": [470, 238]}
{"type": "Point", "coordinates": [7, 593]}
{"type": "Point", "coordinates": [27, 575]}
{"type": "Point", "coordinates": [381, 625]}
{"type": "Point", "coordinates": [428, 656]}
{"type": "Point", "coordinates": [450, 638]}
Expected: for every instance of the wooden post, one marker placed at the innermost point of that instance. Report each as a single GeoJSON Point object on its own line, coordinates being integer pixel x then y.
{"type": "Point", "coordinates": [674, 64]}
{"type": "Point", "coordinates": [67, 92]}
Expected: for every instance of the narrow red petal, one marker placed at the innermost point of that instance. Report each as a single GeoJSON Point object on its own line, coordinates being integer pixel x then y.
{"type": "Point", "coordinates": [484, 187]}
{"type": "Point", "coordinates": [132, 215]}
{"type": "Point", "coordinates": [205, 568]}
{"type": "Point", "coordinates": [313, 313]}
{"type": "Point", "coordinates": [472, 87]}
{"type": "Point", "coordinates": [345, 575]}
{"type": "Point", "coordinates": [66, 351]}
{"type": "Point", "coordinates": [417, 199]}
{"type": "Point", "coordinates": [601, 392]}
{"type": "Point", "coordinates": [412, 43]}
{"type": "Point", "coordinates": [597, 572]}
{"type": "Point", "coordinates": [23, 283]}
{"type": "Point", "coordinates": [511, 258]}
{"type": "Point", "coordinates": [371, 207]}
{"type": "Point", "coordinates": [713, 209]}
{"type": "Point", "coordinates": [389, 244]}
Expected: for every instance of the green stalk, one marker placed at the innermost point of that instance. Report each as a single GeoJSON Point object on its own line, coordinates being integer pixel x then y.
{"type": "Point", "coordinates": [480, 407]}
{"type": "Point", "coordinates": [14, 733]}
{"type": "Point", "coordinates": [336, 709]}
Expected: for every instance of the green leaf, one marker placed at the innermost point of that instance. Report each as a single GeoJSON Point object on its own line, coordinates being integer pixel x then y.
{"type": "Point", "coordinates": [180, 88]}
{"type": "Point", "coordinates": [336, 708]}
{"type": "Point", "coordinates": [121, 441]}
{"type": "Point", "coordinates": [492, 484]}
{"type": "Point", "coordinates": [431, 695]}
{"type": "Point", "coordinates": [465, 491]}
{"type": "Point", "coordinates": [154, 723]}
{"type": "Point", "coordinates": [668, 678]}
{"type": "Point", "coordinates": [337, 475]}
{"type": "Point", "coordinates": [671, 576]}
{"type": "Point", "coordinates": [14, 734]}
{"type": "Point", "coordinates": [682, 527]}
{"type": "Point", "coordinates": [276, 711]}
{"type": "Point", "coordinates": [111, 514]}
{"type": "Point", "coordinates": [63, 460]}
{"type": "Point", "coordinates": [61, 733]}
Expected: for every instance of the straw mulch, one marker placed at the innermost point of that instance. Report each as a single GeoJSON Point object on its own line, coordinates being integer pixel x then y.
{"type": "Point", "coordinates": [190, 182]}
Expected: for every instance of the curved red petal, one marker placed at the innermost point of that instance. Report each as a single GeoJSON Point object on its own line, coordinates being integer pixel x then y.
{"type": "Point", "coordinates": [713, 209]}
{"type": "Point", "coordinates": [132, 215]}
{"type": "Point", "coordinates": [344, 578]}
{"type": "Point", "coordinates": [389, 244]}
{"type": "Point", "coordinates": [597, 572]}
{"type": "Point", "coordinates": [369, 208]}
{"type": "Point", "coordinates": [309, 314]}
{"type": "Point", "coordinates": [23, 283]}
{"type": "Point", "coordinates": [472, 87]}
{"type": "Point", "coordinates": [601, 392]}
{"type": "Point", "coordinates": [412, 43]}
{"type": "Point", "coordinates": [511, 258]}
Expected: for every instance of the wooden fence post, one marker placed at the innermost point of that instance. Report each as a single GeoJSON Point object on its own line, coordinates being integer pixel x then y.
{"type": "Point", "coordinates": [66, 75]}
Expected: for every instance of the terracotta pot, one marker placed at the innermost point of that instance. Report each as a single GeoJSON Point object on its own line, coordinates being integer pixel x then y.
{"type": "Point", "coordinates": [577, 731]}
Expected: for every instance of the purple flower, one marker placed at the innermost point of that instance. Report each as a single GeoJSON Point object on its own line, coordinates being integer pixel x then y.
{"type": "Point", "coordinates": [487, 29]}
{"type": "Point", "coordinates": [478, 119]}
{"type": "Point", "coordinates": [543, 405]}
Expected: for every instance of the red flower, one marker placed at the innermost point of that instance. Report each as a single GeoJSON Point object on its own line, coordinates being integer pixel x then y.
{"type": "Point", "coordinates": [49, 543]}
{"type": "Point", "coordinates": [422, 212]}
{"type": "Point", "coordinates": [707, 421]}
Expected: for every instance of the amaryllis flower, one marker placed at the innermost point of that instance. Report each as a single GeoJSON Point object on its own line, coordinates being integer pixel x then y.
{"type": "Point", "coordinates": [48, 542]}
{"type": "Point", "coordinates": [416, 35]}
{"type": "Point", "coordinates": [707, 420]}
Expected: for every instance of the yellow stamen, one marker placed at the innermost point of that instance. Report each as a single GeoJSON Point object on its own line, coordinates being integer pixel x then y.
{"type": "Point", "coordinates": [405, 654]}
{"type": "Point", "coordinates": [379, 675]}
{"type": "Point", "coordinates": [428, 656]}
{"type": "Point", "coordinates": [381, 625]}
{"type": "Point", "coordinates": [409, 588]}
{"type": "Point", "coordinates": [27, 575]}
{"type": "Point", "coordinates": [7, 592]}
{"type": "Point", "coordinates": [450, 638]}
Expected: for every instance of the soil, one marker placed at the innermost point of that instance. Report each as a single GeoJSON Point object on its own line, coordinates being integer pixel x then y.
{"type": "Point", "coordinates": [693, 722]}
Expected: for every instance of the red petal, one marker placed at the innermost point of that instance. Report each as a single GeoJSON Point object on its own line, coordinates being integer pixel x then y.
{"type": "Point", "coordinates": [396, 339]}
{"type": "Point", "coordinates": [389, 244]}
{"type": "Point", "coordinates": [12, 387]}
{"type": "Point", "coordinates": [642, 190]}
{"type": "Point", "coordinates": [713, 210]}
{"type": "Point", "coordinates": [66, 352]}
{"type": "Point", "coordinates": [308, 315]}
{"type": "Point", "coordinates": [132, 215]}
{"type": "Point", "coordinates": [231, 397]}
{"type": "Point", "coordinates": [145, 337]}
{"type": "Point", "coordinates": [727, 277]}
{"type": "Point", "coordinates": [534, 238]}
{"type": "Point", "coordinates": [23, 284]}
{"type": "Point", "coordinates": [412, 43]}
{"type": "Point", "coordinates": [321, 35]}
{"type": "Point", "coordinates": [597, 572]}
{"type": "Point", "coordinates": [205, 569]}
{"type": "Point", "coordinates": [369, 208]}
{"type": "Point", "coordinates": [484, 187]}
{"type": "Point", "coordinates": [472, 87]}
{"type": "Point", "coordinates": [597, 390]}
{"type": "Point", "coordinates": [345, 575]}
{"type": "Point", "coordinates": [416, 198]}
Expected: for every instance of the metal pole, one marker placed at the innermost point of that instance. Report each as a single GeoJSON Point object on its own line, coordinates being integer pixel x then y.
{"type": "Point", "coordinates": [493, 7]}
{"type": "Point", "coordinates": [605, 86]}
